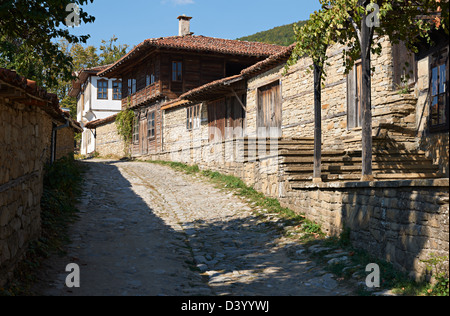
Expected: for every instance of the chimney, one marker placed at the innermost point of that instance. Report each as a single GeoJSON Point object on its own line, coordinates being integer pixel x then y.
{"type": "Point", "coordinates": [184, 25]}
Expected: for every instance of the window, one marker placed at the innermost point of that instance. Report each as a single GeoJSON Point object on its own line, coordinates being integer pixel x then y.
{"type": "Point", "coordinates": [136, 130]}
{"type": "Point", "coordinates": [117, 90]}
{"type": "Point", "coordinates": [131, 86]}
{"type": "Point", "coordinates": [177, 71]}
{"type": "Point", "coordinates": [439, 108]}
{"type": "Point", "coordinates": [405, 66]}
{"type": "Point", "coordinates": [151, 131]}
{"type": "Point", "coordinates": [102, 89]}
{"type": "Point", "coordinates": [150, 78]}
{"type": "Point", "coordinates": [193, 117]}
{"type": "Point", "coordinates": [354, 92]}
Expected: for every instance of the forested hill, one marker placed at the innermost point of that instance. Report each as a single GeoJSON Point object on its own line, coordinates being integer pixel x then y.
{"type": "Point", "coordinates": [280, 35]}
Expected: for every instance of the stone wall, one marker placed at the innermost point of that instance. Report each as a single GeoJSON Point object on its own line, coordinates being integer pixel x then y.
{"type": "Point", "coordinates": [393, 113]}
{"type": "Point", "coordinates": [65, 144]}
{"type": "Point", "coordinates": [403, 222]}
{"type": "Point", "coordinates": [25, 136]}
{"type": "Point", "coordinates": [108, 142]}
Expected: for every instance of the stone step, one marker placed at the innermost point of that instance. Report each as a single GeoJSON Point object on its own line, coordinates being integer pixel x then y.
{"type": "Point", "coordinates": [298, 181]}
{"type": "Point", "coordinates": [353, 160]}
{"type": "Point", "coordinates": [358, 167]}
{"type": "Point", "coordinates": [412, 175]}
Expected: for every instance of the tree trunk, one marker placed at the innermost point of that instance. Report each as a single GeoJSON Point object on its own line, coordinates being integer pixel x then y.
{"type": "Point", "coordinates": [366, 105]}
{"type": "Point", "coordinates": [317, 177]}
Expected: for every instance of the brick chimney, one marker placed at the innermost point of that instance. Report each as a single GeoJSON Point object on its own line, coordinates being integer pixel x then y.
{"type": "Point", "coordinates": [184, 27]}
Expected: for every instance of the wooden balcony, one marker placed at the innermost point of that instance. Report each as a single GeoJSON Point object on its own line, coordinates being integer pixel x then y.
{"type": "Point", "coordinates": [143, 96]}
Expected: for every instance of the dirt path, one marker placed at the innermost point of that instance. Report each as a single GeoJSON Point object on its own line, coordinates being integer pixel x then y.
{"type": "Point", "coordinates": [145, 229]}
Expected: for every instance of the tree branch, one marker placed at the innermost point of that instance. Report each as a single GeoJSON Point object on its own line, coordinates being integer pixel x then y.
{"type": "Point", "coordinates": [355, 26]}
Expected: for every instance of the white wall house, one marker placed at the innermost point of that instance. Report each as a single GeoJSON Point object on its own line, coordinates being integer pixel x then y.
{"type": "Point", "coordinates": [97, 98]}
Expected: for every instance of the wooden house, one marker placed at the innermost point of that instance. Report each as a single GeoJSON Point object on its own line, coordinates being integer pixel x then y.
{"type": "Point", "coordinates": [160, 70]}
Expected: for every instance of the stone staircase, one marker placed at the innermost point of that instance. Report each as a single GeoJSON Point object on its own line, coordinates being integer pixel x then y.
{"type": "Point", "coordinates": [296, 161]}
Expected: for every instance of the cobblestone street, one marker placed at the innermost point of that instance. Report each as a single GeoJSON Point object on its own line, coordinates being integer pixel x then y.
{"type": "Point", "coordinates": [145, 229]}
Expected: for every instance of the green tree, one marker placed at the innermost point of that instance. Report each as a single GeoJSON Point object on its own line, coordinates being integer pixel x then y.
{"type": "Point", "coordinates": [354, 22]}
{"type": "Point", "coordinates": [110, 52]}
{"type": "Point", "coordinates": [313, 39]}
{"type": "Point", "coordinates": [28, 30]}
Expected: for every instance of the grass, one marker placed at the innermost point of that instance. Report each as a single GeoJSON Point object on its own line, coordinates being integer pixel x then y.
{"type": "Point", "coordinates": [62, 186]}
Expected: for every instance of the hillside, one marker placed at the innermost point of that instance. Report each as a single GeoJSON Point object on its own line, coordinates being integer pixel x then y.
{"type": "Point", "coordinates": [280, 35]}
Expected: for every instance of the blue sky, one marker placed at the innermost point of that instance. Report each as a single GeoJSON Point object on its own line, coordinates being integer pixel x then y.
{"type": "Point", "coordinates": [133, 21]}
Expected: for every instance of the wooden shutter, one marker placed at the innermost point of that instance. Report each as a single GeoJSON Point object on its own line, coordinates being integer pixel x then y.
{"type": "Point", "coordinates": [404, 63]}
{"type": "Point", "coordinates": [354, 92]}
{"type": "Point", "coordinates": [269, 107]}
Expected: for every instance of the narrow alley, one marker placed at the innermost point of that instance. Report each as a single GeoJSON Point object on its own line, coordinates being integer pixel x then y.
{"type": "Point", "coordinates": [145, 229]}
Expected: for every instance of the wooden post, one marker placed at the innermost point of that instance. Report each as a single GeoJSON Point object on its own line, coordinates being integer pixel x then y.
{"type": "Point", "coordinates": [317, 176]}
{"type": "Point", "coordinates": [366, 120]}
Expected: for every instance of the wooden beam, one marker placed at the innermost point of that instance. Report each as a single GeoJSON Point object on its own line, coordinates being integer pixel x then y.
{"type": "Point", "coordinates": [366, 104]}
{"type": "Point", "coordinates": [317, 177]}
{"type": "Point", "coordinates": [240, 101]}
{"type": "Point", "coordinates": [8, 92]}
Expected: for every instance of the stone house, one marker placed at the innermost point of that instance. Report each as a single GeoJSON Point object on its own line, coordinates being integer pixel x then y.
{"type": "Point", "coordinates": [33, 131]}
{"type": "Point", "coordinates": [402, 216]}
{"type": "Point", "coordinates": [97, 99]}
{"type": "Point", "coordinates": [160, 70]}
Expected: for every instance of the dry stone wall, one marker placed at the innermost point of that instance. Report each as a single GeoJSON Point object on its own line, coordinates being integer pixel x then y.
{"type": "Point", "coordinates": [25, 136]}
{"type": "Point", "coordinates": [108, 142]}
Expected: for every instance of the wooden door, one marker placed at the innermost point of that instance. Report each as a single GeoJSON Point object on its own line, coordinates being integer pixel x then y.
{"type": "Point", "coordinates": [143, 140]}
{"type": "Point", "coordinates": [217, 119]}
{"type": "Point", "coordinates": [269, 109]}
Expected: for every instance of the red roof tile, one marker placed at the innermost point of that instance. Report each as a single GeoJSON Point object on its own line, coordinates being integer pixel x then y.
{"type": "Point", "coordinates": [50, 102]}
{"type": "Point", "coordinates": [100, 122]}
{"type": "Point", "coordinates": [201, 44]}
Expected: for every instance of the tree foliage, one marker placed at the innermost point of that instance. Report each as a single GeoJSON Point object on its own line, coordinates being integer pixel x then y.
{"type": "Point", "coordinates": [110, 52]}
{"type": "Point", "coordinates": [339, 22]}
{"type": "Point", "coordinates": [281, 35]}
{"type": "Point", "coordinates": [28, 33]}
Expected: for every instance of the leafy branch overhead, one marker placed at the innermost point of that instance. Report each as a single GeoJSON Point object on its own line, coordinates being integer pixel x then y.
{"type": "Point", "coordinates": [28, 30]}
{"type": "Point", "coordinates": [339, 21]}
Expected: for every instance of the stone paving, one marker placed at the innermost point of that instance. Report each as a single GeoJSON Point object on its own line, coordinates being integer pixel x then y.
{"type": "Point", "coordinates": [146, 229]}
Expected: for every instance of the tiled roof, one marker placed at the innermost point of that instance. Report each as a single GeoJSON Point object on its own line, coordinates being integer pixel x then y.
{"type": "Point", "coordinates": [270, 62]}
{"type": "Point", "coordinates": [216, 87]}
{"type": "Point", "coordinates": [97, 123]}
{"type": "Point", "coordinates": [200, 44]}
{"type": "Point", "coordinates": [46, 101]}
{"type": "Point", "coordinates": [11, 78]}
{"type": "Point", "coordinates": [211, 86]}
